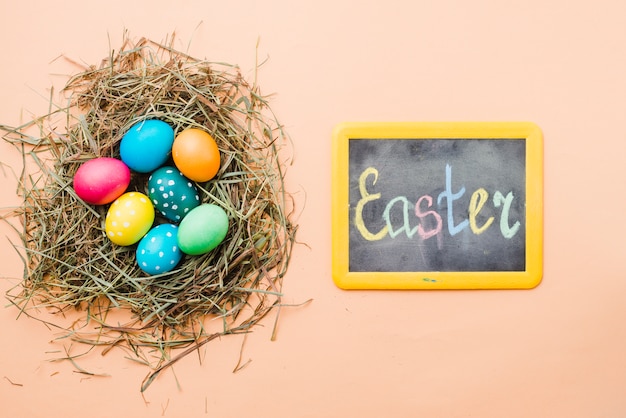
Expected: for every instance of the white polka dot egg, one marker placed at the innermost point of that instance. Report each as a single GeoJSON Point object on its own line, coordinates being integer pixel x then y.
{"type": "Point", "coordinates": [129, 218]}
{"type": "Point", "coordinates": [158, 251]}
{"type": "Point", "coordinates": [172, 194]}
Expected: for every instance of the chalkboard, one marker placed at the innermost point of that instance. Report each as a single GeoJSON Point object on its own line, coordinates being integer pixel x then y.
{"type": "Point", "coordinates": [437, 205]}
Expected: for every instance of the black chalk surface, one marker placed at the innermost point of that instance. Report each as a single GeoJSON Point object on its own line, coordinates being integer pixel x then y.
{"type": "Point", "coordinates": [443, 175]}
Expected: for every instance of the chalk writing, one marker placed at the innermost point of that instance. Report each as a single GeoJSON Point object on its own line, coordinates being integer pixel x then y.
{"type": "Point", "coordinates": [414, 215]}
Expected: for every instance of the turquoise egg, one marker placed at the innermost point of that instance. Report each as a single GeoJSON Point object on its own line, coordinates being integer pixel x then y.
{"type": "Point", "coordinates": [172, 194]}
{"type": "Point", "coordinates": [158, 250]}
{"type": "Point", "coordinates": [147, 145]}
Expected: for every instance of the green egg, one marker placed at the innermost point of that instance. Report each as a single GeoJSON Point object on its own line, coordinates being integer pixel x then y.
{"type": "Point", "coordinates": [202, 229]}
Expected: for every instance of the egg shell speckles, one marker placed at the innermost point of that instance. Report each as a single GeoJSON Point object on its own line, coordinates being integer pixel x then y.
{"type": "Point", "coordinates": [129, 218]}
{"type": "Point", "coordinates": [158, 251]}
{"type": "Point", "coordinates": [172, 194]}
{"type": "Point", "coordinates": [147, 145]}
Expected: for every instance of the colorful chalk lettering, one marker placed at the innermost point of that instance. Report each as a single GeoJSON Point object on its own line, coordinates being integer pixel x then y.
{"type": "Point", "coordinates": [410, 226]}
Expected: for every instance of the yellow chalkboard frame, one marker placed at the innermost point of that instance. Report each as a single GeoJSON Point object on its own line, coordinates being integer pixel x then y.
{"type": "Point", "coordinates": [527, 279]}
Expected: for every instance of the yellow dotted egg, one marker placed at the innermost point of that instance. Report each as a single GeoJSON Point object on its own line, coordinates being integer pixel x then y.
{"type": "Point", "coordinates": [129, 218]}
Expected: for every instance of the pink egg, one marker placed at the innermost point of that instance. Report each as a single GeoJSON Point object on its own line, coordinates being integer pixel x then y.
{"type": "Point", "coordinates": [101, 180]}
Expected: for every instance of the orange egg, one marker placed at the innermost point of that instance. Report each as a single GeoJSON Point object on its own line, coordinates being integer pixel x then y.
{"type": "Point", "coordinates": [196, 155]}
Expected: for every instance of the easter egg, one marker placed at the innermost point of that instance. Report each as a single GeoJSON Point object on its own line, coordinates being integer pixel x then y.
{"type": "Point", "coordinates": [101, 180]}
{"type": "Point", "coordinates": [129, 218]}
{"type": "Point", "coordinates": [158, 251]}
{"type": "Point", "coordinates": [172, 194]}
{"type": "Point", "coordinates": [203, 229]}
{"type": "Point", "coordinates": [147, 145]}
{"type": "Point", "coordinates": [196, 154]}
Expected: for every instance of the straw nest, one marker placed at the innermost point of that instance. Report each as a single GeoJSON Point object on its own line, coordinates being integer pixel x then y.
{"type": "Point", "coordinates": [69, 262]}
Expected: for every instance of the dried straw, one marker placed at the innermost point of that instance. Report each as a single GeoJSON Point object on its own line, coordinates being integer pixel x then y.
{"type": "Point", "coordinates": [69, 262]}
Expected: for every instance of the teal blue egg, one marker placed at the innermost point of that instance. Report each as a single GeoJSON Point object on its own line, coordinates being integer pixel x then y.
{"type": "Point", "coordinates": [158, 250]}
{"type": "Point", "coordinates": [172, 194]}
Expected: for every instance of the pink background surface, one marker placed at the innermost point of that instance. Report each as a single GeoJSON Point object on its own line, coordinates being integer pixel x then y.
{"type": "Point", "coordinates": [556, 351]}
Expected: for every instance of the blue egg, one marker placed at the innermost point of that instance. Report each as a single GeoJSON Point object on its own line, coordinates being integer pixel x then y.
{"type": "Point", "coordinates": [147, 145]}
{"type": "Point", "coordinates": [158, 251]}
